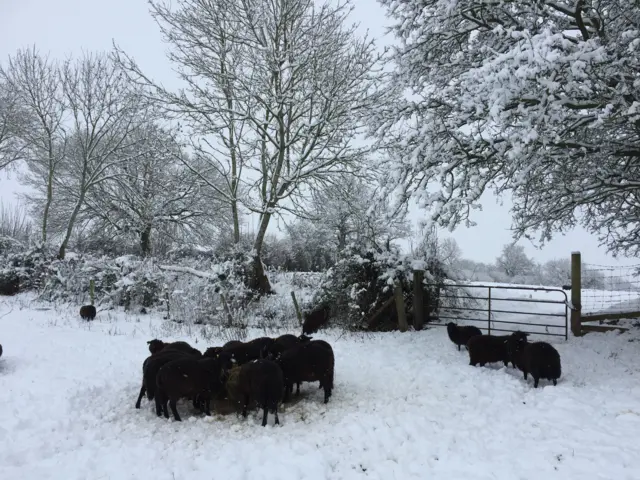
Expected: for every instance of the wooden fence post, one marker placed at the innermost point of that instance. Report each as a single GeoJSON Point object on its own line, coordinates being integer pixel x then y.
{"type": "Point", "coordinates": [402, 316]}
{"type": "Point", "coordinates": [295, 305]}
{"type": "Point", "coordinates": [576, 298]}
{"type": "Point", "coordinates": [418, 305]}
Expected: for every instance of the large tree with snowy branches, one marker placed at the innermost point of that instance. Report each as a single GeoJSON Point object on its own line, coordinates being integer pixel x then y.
{"type": "Point", "coordinates": [275, 94]}
{"type": "Point", "coordinates": [539, 98]}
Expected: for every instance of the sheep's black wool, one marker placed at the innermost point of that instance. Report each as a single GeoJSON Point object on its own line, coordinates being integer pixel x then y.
{"type": "Point", "coordinates": [461, 335]}
{"type": "Point", "coordinates": [485, 349]}
{"type": "Point", "coordinates": [88, 312]}
{"type": "Point", "coordinates": [539, 359]}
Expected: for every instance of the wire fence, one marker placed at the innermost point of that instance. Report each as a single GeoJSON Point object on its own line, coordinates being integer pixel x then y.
{"type": "Point", "coordinates": [610, 289]}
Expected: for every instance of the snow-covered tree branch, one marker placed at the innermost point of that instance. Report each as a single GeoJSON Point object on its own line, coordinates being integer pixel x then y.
{"type": "Point", "coordinates": [541, 99]}
{"type": "Point", "coordinates": [276, 94]}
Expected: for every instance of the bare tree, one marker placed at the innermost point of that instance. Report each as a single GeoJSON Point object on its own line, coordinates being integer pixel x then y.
{"type": "Point", "coordinates": [153, 191]}
{"type": "Point", "coordinates": [13, 120]}
{"type": "Point", "coordinates": [287, 91]}
{"type": "Point", "coordinates": [513, 261]}
{"type": "Point", "coordinates": [209, 61]}
{"type": "Point", "coordinates": [105, 112]}
{"type": "Point", "coordinates": [34, 82]}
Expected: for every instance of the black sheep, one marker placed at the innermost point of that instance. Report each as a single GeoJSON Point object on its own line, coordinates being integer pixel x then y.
{"type": "Point", "coordinates": [198, 379]}
{"type": "Point", "coordinates": [488, 349]}
{"type": "Point", "coordinates": [285, 342]}
{"type": "Point", "coordinates": [0, 350]}
{"type": "Point", "coordinates": [156, 346]}
{"type": "Point", "coordinates": [540, 359]}
{"type": "Point", "coordinates": [261, 381]}
{"type": "Point", "coordinates": [252, 350]}
{"type": "Point", "coordinates": [212, 352]}
{"type": "Point", "coordinates": [150, 369]}
{"type": "Point", "coordinates": [232, 343]}
{"type": "Point", "coordinates": [88, 312]}
{"type": "Point", "coordinates": [315, 319]}
{"type": "Point", "coordinates": [461, 335]}
{"type": "Point", "coordinates": [308, 362]}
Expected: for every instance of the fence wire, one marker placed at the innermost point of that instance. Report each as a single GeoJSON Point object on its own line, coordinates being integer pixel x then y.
{"type": "Point", "coordinates": [610, 289]}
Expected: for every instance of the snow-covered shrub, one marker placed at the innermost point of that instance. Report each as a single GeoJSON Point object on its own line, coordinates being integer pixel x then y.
{"type": "Point", "coordinates": [126, 281]}
{"type": "Point", "coordinates": [363, 281]}
{"type": "Point", "coordinates": [26, 267]}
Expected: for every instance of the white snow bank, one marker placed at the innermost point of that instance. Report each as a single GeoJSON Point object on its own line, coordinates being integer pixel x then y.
{"type": "Point", "coordinates": [405, 406]}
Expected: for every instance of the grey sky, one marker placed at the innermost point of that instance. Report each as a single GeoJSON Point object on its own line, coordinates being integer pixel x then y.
{"type": "Point", "coordinates": [64, 27]}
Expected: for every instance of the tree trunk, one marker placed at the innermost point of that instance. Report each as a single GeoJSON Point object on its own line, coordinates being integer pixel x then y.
{"type": "Point", "coordinates": [145, 241]}
{"type": "Point", "coordinates": [256, 276]}
{"type": "Point", "coordinates": [63, 247]}
{"type": "Point", "coordinates": [47, 205]}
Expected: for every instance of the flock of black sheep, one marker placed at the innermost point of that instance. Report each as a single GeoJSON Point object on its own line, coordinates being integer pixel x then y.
{"type": "Point", "coordinates": [539, 359]}
{"type": "Point", "coordinates": [261, 371]}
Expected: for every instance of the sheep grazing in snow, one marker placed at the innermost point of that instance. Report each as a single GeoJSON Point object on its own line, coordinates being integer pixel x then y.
{"type": "Point", "coordinates": [150, 369]}
{"type": "Point", "coordinates": [261, 381]}
{"type": "Point", "coordinates": [315, 319]}
{"type": "Point", "coordinates": [212, 352]}
{"type": "Point", "coordinates": [285, 342]}
{"type": "Point", "coordinates": [308, 362]}
{"type": "Point", "coordinates": [192, 378]}
{"type": "Point", "coordinates": [88, 312]}
{"type": "Point", "coordinates": [156, 346]}
{"type": "Point", "coordinates": [252, 350]}
{"type": "Point", "coordinates": [488, 349]}
{"type": "Point", "coordinates": [539, 359]}
{"type": "Point", "coordinates": [461, 335]}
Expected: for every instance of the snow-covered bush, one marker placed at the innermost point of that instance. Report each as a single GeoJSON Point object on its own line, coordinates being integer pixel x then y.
{"type": "Point", "coordinates": [24, 267]}
{"type": "Point", "coordinates": [363, 281]}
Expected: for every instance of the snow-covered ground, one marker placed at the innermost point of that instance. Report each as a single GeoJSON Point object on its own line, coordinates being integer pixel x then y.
{"type": "Point", "coordinates": [405, 406]}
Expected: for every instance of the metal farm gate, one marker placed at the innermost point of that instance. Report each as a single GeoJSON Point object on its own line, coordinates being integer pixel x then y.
{"type": "Point", "coordinates": [500, 309]}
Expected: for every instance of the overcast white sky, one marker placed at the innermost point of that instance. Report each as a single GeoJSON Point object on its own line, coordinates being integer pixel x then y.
{"type": "Point", "coordinates": [63, 27]}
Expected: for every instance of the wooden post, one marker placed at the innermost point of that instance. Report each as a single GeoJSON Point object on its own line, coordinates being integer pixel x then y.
{"type": "Point", "coordinates": [227, 310]}
{"type": "Point", "coordinates": [402, 316]}
{"type": "Point", "coordinates": [418, 305]}
{"type": "Point", "coordinates": [576, 298]}
{"type": "Point", "coordinates": [92, 289]}
{"type": "Point", "coordinates": [295, 305]}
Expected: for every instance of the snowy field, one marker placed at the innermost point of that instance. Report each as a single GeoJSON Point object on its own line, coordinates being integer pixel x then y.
{"type": "Point", "coordinates": [405, 406]}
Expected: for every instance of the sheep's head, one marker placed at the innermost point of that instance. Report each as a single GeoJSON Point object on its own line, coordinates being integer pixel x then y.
{"type": "Point", "coordinates": [212, 352]}
{"type": "Point", "coordinates": [155, 345]}
{"type": "Point", "coordinates": [516, 342]}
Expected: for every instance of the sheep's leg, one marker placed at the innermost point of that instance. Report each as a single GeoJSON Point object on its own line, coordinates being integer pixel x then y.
{"type": "Point", "coordinates": [264, 415]}
{"type": "Point", "coordinates": [158, 406]}
{"type": "Point", "coordinates": [535, 382]}
{"type": "Point", "coordinates": [143, 390]}
{"type": "Point", "coordinates": [174, 410]}
{"type": "Point", "coordinates": [245, 405]}
{"type": "Point", "coordinates": [297, 388]}
{"type": "Point", "coordinates": [555, 382]}
{"type": "Point", "coordinates": [458, 347]}
{"type": "Point", "coordinates": [276, 413]}
{"type": "Point", "coordinates": [206, 401]}
{"type": "Point", "coordinates": [327, 394]}
{"type": "Point", "coordinates": [287, 391]}
{"type": "Point", "coordinates": [164, 407]}
{"type": "Point", "coordinates": [525, 374]}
